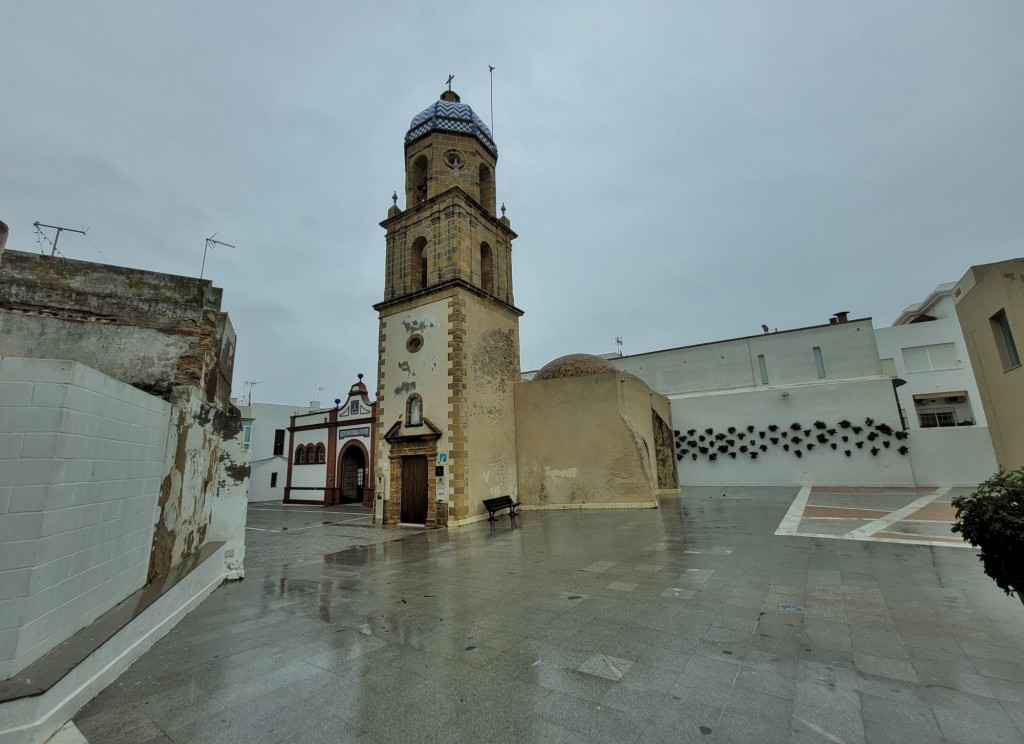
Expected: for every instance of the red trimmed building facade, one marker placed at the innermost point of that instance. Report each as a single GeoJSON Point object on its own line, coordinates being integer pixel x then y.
{"type": "Point", "coordinates": [331, 452]}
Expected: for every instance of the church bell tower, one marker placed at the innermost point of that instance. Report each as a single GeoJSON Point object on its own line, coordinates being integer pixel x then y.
{"type": "Point", "coordinates": [448, 354]}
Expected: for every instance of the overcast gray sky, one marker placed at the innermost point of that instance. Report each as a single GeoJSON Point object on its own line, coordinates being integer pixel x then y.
{"type": "Point", "coordinates": [678, 172]}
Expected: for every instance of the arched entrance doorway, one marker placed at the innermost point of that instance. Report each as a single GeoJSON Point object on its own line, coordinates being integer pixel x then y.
{"type": "Point", "coordinates": [352, 466]}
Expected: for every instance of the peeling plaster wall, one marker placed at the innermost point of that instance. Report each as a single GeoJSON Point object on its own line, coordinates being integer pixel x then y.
{"type": "Point", "coordinates": [153, 331]}
{"type": "Point", "coordinates": [201, 458]}
{"type": "Point", "coordinates": [578, 447]}
{"type": "Point", "coordinates": [160, 333]}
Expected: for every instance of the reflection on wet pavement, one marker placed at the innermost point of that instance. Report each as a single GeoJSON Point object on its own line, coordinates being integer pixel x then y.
{"type": "Point", "coordinates": [694, 622]}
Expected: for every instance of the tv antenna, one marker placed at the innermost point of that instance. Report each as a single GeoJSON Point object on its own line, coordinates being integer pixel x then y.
{"type": "Point", "coordinates": [210, 243]}
{"type": "Point", "coordinates": [318, 391]}
{"type": "Point", "coordinates": [251, 384]}
{"type": "Point", "coordinates": [618, 345]}
{"type": "Point", "coordinates": [39, 225]}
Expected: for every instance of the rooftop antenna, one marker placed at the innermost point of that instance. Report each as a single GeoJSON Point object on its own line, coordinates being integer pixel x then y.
{"type": "Point", "coordinates": [59, 230]}
{"type": "Point", "coordinates": [318, 391]}
{"type": "Point", "coordinates": [491, 68]}
{"type": "Point", "coordinates": [764, 328]}
{"type": "Point", "coordinates": [449, 81]}
{"type": "Point", "coordinates": [252, 384]}
{"type": "Point", "coordinates": [618, 345]}
{"type": "Point", "coordinates": [210, 243]}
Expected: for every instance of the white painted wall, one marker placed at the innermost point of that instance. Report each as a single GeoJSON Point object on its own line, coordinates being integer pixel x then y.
{"type": "Point", "coordinates": [831, 402]}
{"type": "Point", "coordinates": [848, 351]}
{"type": "Point", "coordinates": [944, 329]}
{"type": "Point", "coordinates": [266, 419]}
{"type": "Point", "coordinates": [955, 456]}
{"type": "Point", "coordinates": [310, 475]}
{"type": "Point", "coordinates": [81, 458]}
{"type": "Point", "coordinates": [405, 372]}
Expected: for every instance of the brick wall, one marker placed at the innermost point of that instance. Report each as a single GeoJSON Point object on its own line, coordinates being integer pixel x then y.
{"type": "Point", "coordinates": [81, 458]}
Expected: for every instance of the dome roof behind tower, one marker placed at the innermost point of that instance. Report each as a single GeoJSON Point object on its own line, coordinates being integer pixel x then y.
{"type": "Point", "coordinates": [574, 365]}
{"type": "Point", "coordinates": [449, 114]}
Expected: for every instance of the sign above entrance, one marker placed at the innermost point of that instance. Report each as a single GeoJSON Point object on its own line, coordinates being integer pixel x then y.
{"type": "Point", "coordinates": [442, 458]}
{"type": "Point", "coordinates": [362, 431]}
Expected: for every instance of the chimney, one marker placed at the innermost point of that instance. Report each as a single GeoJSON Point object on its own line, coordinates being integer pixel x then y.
{"type": "Point", "coordinates": [4, 232]}
{"type": "Point", "coordinates": [843, 316]}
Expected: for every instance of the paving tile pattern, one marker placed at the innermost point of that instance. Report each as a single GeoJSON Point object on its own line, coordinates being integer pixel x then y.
{"type": "Point", "coordinates": [691, 623]}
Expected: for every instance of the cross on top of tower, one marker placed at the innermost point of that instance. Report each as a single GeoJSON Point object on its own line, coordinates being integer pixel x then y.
{"type": "Point", "coordinates": [449, 82]}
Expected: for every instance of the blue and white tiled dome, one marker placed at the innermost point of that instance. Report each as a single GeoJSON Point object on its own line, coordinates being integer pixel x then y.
{"type": "Point", "coordinates": [451, 116]}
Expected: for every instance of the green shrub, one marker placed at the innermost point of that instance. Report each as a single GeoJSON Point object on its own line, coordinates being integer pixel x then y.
{"type": "Point", "coordinates": [992, 518]}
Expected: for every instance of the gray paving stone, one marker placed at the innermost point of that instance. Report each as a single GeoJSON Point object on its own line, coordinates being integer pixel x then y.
{"type": "Point", "coordinates": [488, 636]}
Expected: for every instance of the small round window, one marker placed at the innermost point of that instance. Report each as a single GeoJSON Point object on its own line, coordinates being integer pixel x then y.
{"type": "Point", "coordinates": [415, 343]}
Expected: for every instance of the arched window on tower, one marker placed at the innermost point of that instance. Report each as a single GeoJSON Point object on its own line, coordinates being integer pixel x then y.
{"type": "Point", "coordinates": [414, 411]}
{"type": "Point", "coordinates": [486, 178]}
{"type": "Point", "coordinates": [418, 264]}
{"type": "Point", "coordinates": [418, 177]}
{"type": "Point", "coordinates": [300, 454]}
{"type": "Point", "coordinates": [310, 453]}
{"type": "Point", "coordinates": [319, 453]}
{"type": "Point", "coordinates": [486, 268]}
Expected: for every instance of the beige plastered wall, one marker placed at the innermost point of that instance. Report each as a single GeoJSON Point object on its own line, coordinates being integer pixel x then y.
{"type": "Point", "coordinates": [585, 442]}
{"type": "Point", "coordinates": [980, 294]}
{"type": "Point", "coordinates": [491, 373]}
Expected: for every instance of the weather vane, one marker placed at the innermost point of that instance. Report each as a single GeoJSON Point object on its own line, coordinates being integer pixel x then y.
{"type": "Point", "coordinates": [449, 82]}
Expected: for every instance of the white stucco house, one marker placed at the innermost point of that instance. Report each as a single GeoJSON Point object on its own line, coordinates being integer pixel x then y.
{"type": "Point", "coordinates": [265, 436]}
{"type": "Point", "coordinates": [940, 401]}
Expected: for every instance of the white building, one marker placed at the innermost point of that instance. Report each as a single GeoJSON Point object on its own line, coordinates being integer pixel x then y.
{"type": "Point", "coordinates": [939, 401]}
{"type": "Point", "coordinates": [925, 347]}
{"type": "Point", "coordinates": [265, 436]}
{"type": "Point", "coordinates": [331, 453]}
{"type": "Point", "coordinates": [803, 406]}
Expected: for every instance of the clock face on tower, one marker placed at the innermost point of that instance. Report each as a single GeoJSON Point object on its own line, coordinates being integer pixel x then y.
{"type": "Point", "coordinates": [454, 160]}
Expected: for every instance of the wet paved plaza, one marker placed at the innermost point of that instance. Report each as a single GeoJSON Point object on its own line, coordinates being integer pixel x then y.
{"type": "Point", "coordinates": [695, 622]}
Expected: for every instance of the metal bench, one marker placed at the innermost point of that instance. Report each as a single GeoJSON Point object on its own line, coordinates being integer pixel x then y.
{"type": "Point", "coordinates": [498, 503]}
